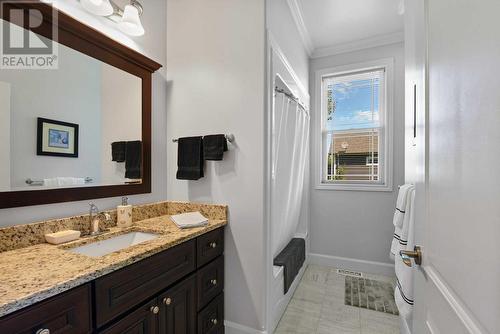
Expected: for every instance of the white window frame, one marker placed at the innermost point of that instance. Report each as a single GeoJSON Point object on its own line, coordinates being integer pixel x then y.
{"type": "Point", "coordinates": [386, 127]}
{"type": "Point", "coordinates": [368, 163]}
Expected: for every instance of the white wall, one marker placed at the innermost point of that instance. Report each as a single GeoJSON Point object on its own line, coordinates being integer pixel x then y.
{"type": "Point", "coordinates": [55, 95]}
{"type": "Point", "coordinates": [121, 118]}
{"type": "Point", "coordinates": [284, 30]}
{"type": "Point", "coordinates": [5, 136]}
{"type": "Point", "coordinates": [290, 60]}
{"type": "Point", "coordinates": [356, 224]}
{"type": "Point", "coordinates": [152, 44]}
{"type": "Point", "coordinates": [215, 61]}
{"type": "Point", "coordinates": [286, 42]}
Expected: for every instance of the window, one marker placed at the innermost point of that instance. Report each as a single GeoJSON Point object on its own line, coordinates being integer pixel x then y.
{"type": "Point", "coordinates": [355, 136]}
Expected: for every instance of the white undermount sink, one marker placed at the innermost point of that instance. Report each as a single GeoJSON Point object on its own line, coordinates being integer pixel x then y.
{"type": "Point", "coordinates": [104, 247]}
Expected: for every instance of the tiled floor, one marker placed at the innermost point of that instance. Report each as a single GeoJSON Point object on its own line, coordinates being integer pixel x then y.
{"type": "Point", "coordinates": [317, 307]}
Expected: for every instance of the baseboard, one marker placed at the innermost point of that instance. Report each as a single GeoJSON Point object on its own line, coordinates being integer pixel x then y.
{"type": "Point", "coordinates": [371, 267]}
{"type": "Point", "coordinates": [234, 328]}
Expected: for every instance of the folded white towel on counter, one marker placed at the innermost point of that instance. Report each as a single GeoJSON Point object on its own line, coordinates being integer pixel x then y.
{"type": "Point", "coordinates": [403, 293]}
{"type": "Point", "coordinates": [400, 236]}
{"type": "Point", "coordinates": [189, 219]}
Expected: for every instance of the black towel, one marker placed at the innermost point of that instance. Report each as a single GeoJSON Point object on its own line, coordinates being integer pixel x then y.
{"type": "Point", "coordinates": [133, 159]}
{"type": "Point", "coordinates": [292, 258]}
{"type": "Point", "coordinates": [118, 151]}
{"type": "Point", "coordinates": [214, 147]}
{"type": "Point", "coordinates": [190, 158]}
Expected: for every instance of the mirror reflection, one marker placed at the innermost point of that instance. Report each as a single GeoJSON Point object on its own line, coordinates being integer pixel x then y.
{"type": "Point", "coordinates": [77, 125]}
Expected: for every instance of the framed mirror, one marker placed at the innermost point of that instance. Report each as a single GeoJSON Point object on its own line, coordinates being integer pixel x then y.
{"type": "Point", "coordinates": [75, 126]}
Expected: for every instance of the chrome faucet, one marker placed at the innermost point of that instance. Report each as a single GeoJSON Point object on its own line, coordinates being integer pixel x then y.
{"type": "Point", "coordinates": [95, 219]}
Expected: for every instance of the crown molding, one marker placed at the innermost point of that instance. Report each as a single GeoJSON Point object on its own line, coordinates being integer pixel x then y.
{"type": "Point", "coordinates": [361, 44]}
{"type": "Point", "coordinates": [296, 11]}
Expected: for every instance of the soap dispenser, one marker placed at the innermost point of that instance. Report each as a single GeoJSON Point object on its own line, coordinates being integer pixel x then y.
{"type": "Point", "coordinates": [124, 213]}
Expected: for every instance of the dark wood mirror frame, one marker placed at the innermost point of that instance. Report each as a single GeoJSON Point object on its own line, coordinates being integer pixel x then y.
{"type": "Point", "coordinates": [80, 37]}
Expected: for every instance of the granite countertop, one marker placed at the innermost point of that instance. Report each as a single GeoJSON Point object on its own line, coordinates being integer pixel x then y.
{"type": "Point", "coordinates": [37, 272]}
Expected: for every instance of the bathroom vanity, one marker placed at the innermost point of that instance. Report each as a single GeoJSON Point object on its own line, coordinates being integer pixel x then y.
{"type": "Point", "coordinates": [93, 140]}
{"type": "Point", "coordinates": [171, 284]}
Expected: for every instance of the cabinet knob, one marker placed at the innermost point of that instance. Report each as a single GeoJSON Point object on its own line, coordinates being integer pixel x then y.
{"type": "Point", "coordinates": [167, 301]}
{"type": "Point", "coordinates": [214, 321]}
{"type": "Point", "coordinates": [43, 331]}
{"type": "Point", "coordinates": [213, 281]}
{"type": "Point", "coordinates": [155, 309]}
{"type": "Point", "coordinates": [213, 244]}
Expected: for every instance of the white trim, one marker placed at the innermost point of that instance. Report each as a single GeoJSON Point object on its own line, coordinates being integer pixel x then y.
{"type": "Point", "coordinates": [430, 327]}
{"type": "Point", "coordinates": [403, 326]}
{"type": "Point", "coordinates": [370, 267]}
{"type": "Point", "coordinates": [387, 161]}
{"type": "Point", "coordinates": [274, 47]}
{"type": "Point", "coordinates": [353, 187]}
{"type": "Point", "coordinates": [366, 43]}
{"type": "Point", "coordinates": [235, 328]}
{"type": "Point", "coordinates": [467, 318]}
{"type": "Point", "coordinates": [280, 305]}
{"type": "Point", "coordinates": [296, 11]}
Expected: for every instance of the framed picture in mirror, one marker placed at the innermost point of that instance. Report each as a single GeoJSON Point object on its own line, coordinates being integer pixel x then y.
{"type": "Point", "coordinates": [57, 138]}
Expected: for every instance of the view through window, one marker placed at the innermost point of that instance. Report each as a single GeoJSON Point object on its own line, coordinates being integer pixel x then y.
{"type": "Point", "coordinates": [353, 114]}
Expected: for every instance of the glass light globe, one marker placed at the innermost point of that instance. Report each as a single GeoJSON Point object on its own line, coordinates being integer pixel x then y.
{"type": "Point", "coordinates": [130, 22]}
{"type": "Point", "coordinates": [98, 7]}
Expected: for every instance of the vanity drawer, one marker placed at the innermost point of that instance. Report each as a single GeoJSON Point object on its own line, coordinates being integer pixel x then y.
{"type": "Point", "coordinates": [210, 246]}
{"type": "Point", "coordinates": [210, 281]}
{"type": "Point", "coordinates": [122, 290]}
{"type": "Point", "coordinates": [211, 318]}
{"type": "Point", "coordinates": [143, 320]}
{"type": "Point", "coordinates": [67, 313]}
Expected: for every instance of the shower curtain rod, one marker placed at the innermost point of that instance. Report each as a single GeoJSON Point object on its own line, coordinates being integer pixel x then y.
{"type": "Point", "coordinates": [290, 96]}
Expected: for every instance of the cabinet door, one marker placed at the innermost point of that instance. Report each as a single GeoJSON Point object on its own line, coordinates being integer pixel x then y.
{"type": "Point", "coordinates": [211, 318]}
{"type": "Point", "coordinates": [67, 313]}
{"type": "Point", "coordinates": [210, 281]}
{"type": "Point", "coordinates": [178, 308]}
{"type": "Point", "coordinates": [144, 320]}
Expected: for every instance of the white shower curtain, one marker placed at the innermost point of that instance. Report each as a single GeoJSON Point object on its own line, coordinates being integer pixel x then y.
{"type": "Point", "coordinates": [290, 147]}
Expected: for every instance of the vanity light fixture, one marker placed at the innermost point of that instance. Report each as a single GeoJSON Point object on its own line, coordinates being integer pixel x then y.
{"type": "Point", "coordinates": [130, 22]}
{"type": "Point", "coordinates": [98, 7]}
{"type": "Point", "coordinates": [127, 19]}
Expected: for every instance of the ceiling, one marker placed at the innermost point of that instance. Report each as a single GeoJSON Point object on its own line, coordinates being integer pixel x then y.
{"type": "Point", "coordinates": [337, 23]}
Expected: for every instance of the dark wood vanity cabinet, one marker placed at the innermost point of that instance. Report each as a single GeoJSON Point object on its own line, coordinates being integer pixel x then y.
{"type": "Point", "coordinates": [67, 313]}
{"type": "Point", "coordinates": [121, 290]}
{"type": "Point", "coordinates": [141, 321]}
{"type": "Point", "coordinates": [178, 308]}
{"type": "Point", "coordinates": [177, 291]}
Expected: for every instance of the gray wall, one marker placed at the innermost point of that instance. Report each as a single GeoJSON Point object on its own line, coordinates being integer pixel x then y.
{"type": "Point", "coordinates": [215, 61]}
{"type": "Point", "coordinates": [55, 95]}
{"type": "Point", "coordinates": [5, 136]}
{"type": "Point", "coordinates": [121, 118]}
{"type": "Point", "coordinates": [358, 224]}
{"type": "Point", "coordinates": [152, 44]}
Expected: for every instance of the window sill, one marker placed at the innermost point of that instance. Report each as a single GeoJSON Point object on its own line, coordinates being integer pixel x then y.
{"type": "Point", "coordinates": [354, 187]}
